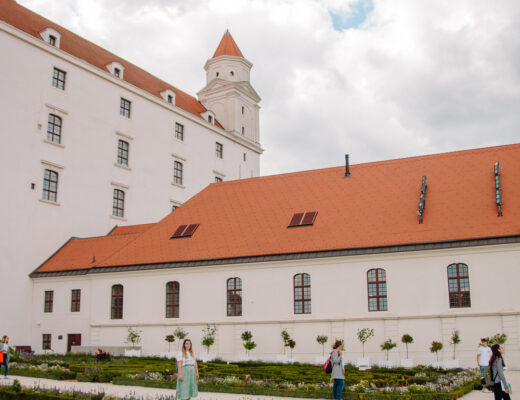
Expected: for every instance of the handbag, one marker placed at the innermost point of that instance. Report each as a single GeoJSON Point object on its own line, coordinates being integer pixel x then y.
{"type": "Point", "coordinates": [1, 357]}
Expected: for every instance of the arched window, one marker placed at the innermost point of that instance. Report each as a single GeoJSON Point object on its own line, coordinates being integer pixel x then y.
{"type": "Point", "coordinates": [118, 203]}
{"type": "Point", "coordinates": [458, 285]}
{"type": "Point", "coordinates": [234, 297]}
{"type": "Point", "coordinates": [54, 129]}
{"type": "Point", "coordinates": [117, 302]}
{"type": "Point", "coordinates": [50, 185]}
{"type": "Point", "coordinates": [172, 299]}
{"type": "Point", "coordinates": [302, 294]}
{"type": "Point", "coordinates": [376, 280]}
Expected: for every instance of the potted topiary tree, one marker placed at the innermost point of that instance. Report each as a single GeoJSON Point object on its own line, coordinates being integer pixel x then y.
{"type": "Point", "coordinates": [286, 337]}
{"type": "Point", "coordinates": [169, 339]}
{"type": "Point", "coordinates": [180, 334]}
{"type": "Point", "coordinates": [208, 339]}
{"type": "Point", "coordinates": [387, 346]}
{"type": "Point", "coordinates": [435, 348]}
{"type": "Point", "coordinates": [321, 339]}
{"type": "Point", "coordinates": [248, 344]}
{"type": "Point", "coordinates": [363, 335]}
{"type": "Point", "coordinates": [133, 337]}
{"type": "Point", "coordinates": [454, 341]}
{"type": "Point", "coordinates": [407, 362]}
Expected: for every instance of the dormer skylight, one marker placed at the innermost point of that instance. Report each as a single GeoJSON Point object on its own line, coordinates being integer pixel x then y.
{"type": "Point", "coordinates": [169, 96]}
{"type": "Point", "coordinates": [209, 116]}
{"type": "Point", "coordinates": [303, 219]}
{"type": "Point", "coordinates": [183, 231]}
{"type": "Point", "coordinates": [116, 69]}
{"type": "Point", "coordinates": [51, 36]}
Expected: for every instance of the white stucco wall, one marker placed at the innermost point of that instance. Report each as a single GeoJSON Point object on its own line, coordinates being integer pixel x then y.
{"type": "Point", "coordinates": [89, 106]}
{"type": "Point", "coordinates": [417, 305]}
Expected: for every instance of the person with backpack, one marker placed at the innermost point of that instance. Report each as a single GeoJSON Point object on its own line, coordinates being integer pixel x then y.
{"type": "Point", "coordinates": [338, 373]}
{"type": "Point", "coordinates": [496, 369]}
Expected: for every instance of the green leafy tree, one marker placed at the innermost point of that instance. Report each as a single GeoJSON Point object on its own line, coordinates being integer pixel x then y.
{"type": "Point", "coordinates": [387, 346]}
{"type": "Point", "coordinates": [322, 339]}
{"type": "Point", "coordinates": [499, 338]}
{"type": "Point", "coordinates": [455, 340]}
{"type": "Point", "coordinates": [363, 335]}
{"type": "Point", "coordinates": [407, 339]}
{"type": "Point", "coordinates": [285, 338]}
{"type": "Point", "coordinates": [170, 339]}
{"type": "Point", "coordinates": [291, 344]}
{"type": "Point", "coordinates": [208, 336]}
{"type": "Point", "coordinates": [248, 343]}
{"type": "Point", "coordinates": [134, 336]}
{"type": "Point", "coordinates": [435, 348]}
{"type": "Point", "coordinates": [180, 334]}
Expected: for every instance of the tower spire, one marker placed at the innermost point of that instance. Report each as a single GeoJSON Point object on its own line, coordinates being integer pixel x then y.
{"type": "Point", "coordinates": [227, 46]}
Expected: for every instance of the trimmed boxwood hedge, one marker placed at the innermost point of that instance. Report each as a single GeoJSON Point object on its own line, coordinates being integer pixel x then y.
{"type": "Point", "coordinates": [36, 373]}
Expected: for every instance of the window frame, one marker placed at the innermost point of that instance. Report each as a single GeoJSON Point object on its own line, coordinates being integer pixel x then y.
{"type": "Point", "coordinates": [300, 304]}
{"type": "Point", "coordinates": [50, 185]}
{"type": "Point", "coordinates": [122, 152]}
{"type": "Point", "coordinates": [219, 150]}
{"type": "Point", "coordinates": [179, 132]}
{"type": "Point", "coordinates": [462, 297]}
{"type": "Point", "coordinates": [172, 307]}
{"type": "Point", "coordinates": [54, 127]}
{"type": "Point", "coordinates": [125, 107]}
{"type": "Point", "coordinates": [75, 300]}
{"type": "Point", "coordinates": [48, 301]}
{"type": "Point", "coordinates": [178, 172]}
{"type": "Point", "coordinates": [234, 297]}
{"type": "Point", "coordinates": [116, 301]}
{"type": "Point", "coordinates": [46, 341]}
{"type": "Point", "coordinates": [381, 300]}
{"type": "Point", "coordinates": [118, 203]}
{"type": "Point", "coordinates": [58, 78]}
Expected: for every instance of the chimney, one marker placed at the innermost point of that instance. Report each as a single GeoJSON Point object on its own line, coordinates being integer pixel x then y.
{"type": "Point", "coordinates": [347, 167]}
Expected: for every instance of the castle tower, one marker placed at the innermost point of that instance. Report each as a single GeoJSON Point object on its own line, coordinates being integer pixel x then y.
{"type": "Point", "coordinates": [228, 94]}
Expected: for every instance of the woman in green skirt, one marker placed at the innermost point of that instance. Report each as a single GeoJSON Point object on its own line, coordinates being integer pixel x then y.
{"type": "Point", "coordinates": [188, 372]}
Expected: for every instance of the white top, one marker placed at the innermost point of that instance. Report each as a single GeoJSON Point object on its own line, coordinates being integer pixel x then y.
{"type": "Point", "coordinates": [484, 355]}
{"type": "Point", "coordinates": [189, 360]}
{"type": "Point", "coordinates": [4, 347]}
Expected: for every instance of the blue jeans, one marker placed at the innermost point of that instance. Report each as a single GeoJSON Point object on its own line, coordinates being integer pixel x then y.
{"type": "Point", "coordinates": [5, 364]}
{"type": "Point", "coordinates": [337, 388]}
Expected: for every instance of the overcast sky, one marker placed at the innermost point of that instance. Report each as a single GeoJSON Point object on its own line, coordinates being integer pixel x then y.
{"type": "Point", "coordinates": [377, 79]}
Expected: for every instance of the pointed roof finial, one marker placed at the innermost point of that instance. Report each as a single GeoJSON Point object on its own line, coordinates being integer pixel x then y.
{"type": "Point", "coordinates": [227, 46]}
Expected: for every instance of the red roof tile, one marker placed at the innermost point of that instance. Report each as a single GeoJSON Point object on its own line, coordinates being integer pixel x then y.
{"type": "Point", "coordinates": [124, 230]}
{"type": "Point", "coordinates": [32, 23]}
{"type": "Point", "coordinates": [376, 206]}
{"type": "Point", "coordinates": [228, 47]}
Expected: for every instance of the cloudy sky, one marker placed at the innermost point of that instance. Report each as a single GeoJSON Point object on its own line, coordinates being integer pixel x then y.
{"type": "Point", "coordinates": [377, 79]}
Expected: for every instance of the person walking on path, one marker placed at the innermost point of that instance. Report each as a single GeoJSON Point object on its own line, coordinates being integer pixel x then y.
{"type": "Point", "coordinates": [338, 373]}
{"type": "Point", "coordinates": [4, 349]}
{"type": "Point", "coordinates": [497, 364]}
{"type": "Point", "coordinates": [483, 356]}
{"type": "Point", "coordinates": [188, 372]}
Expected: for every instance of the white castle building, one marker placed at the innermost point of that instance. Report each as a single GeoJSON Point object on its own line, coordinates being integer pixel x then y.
{"type": "Point", "coordinates": [91, 141]}
{"type": "Point", "coordinates": [424, 246]}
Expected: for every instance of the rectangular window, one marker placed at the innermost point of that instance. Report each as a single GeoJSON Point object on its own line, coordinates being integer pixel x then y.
{"type": "Point", "coordinates": [219, 149]}
{"type": "Point", "coordinates": [122, 152]}
{"type": "Point", "coordinates": [52, 40]}
{"type": "Point", "coordinates": [75, 300]}
{"type": "Point", "coordinates": [48, 302]}
{"type": "Point", "coordinates": [184, 231]}
{"type": "Point", "coordinates": [124, 108]}
{"type": "Point", "coordinates": [117, 72]}
{"type": "Point", "coordinates": [177, 172]}
{"type": "Point", "coordinates": [58, 78]}
{"type": "Point", "coordinates": [46, 341]}
{"type": "Point", "coordinates": [170, 99]}
{"type": "Point", "coordinates": [179, 131]}
{"type": "Point", "coordinates": [118, 203]}
{"type": "Point", "coordinates": [303, 219]}
{"type": "Point", "coordinates": [245, 156]}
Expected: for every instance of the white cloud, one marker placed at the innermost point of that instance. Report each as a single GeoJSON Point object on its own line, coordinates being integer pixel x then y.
{"type": "Point", "coordinates": [416, 77]}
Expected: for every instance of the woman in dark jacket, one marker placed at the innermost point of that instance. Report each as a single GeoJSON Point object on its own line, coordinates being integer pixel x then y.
{"type": "Point", "coordinates": [338, 374]}
{"type": "Point", "coordinates": [497, 364]}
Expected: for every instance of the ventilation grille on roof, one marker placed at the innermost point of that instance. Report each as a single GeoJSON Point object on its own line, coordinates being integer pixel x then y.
{"type": "Point", "coordinates": [498, 188]}
{"type": "Point", "coordinates": [303, 219]}
{"type": "Point", "coordinates": [184, 231]}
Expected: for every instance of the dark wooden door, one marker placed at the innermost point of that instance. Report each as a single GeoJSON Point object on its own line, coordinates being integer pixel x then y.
{"type": "Point", "coordinates": [74, 339]}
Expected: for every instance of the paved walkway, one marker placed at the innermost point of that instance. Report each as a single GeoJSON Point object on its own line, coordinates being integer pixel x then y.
{"type": "Point", "coordinates": [513, 377]}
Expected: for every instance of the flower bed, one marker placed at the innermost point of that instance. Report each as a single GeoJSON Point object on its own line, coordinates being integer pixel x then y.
{"type": "Point", "coordinates": [16, 392]}
{"type": "Point", "coordinates": [55, 372]}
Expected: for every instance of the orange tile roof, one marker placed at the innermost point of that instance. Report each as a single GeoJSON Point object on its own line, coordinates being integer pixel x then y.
{"type": "Point", "coordinates": [32, 23]}
{"type": "Point", "coordinates": [228, 47]}
{"type": "Point", "coordinates": [83, 254]}
{"type": "Point", "coordinates": [376, 206]}
{"type": "Point", "coordinates": [124, 230]}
